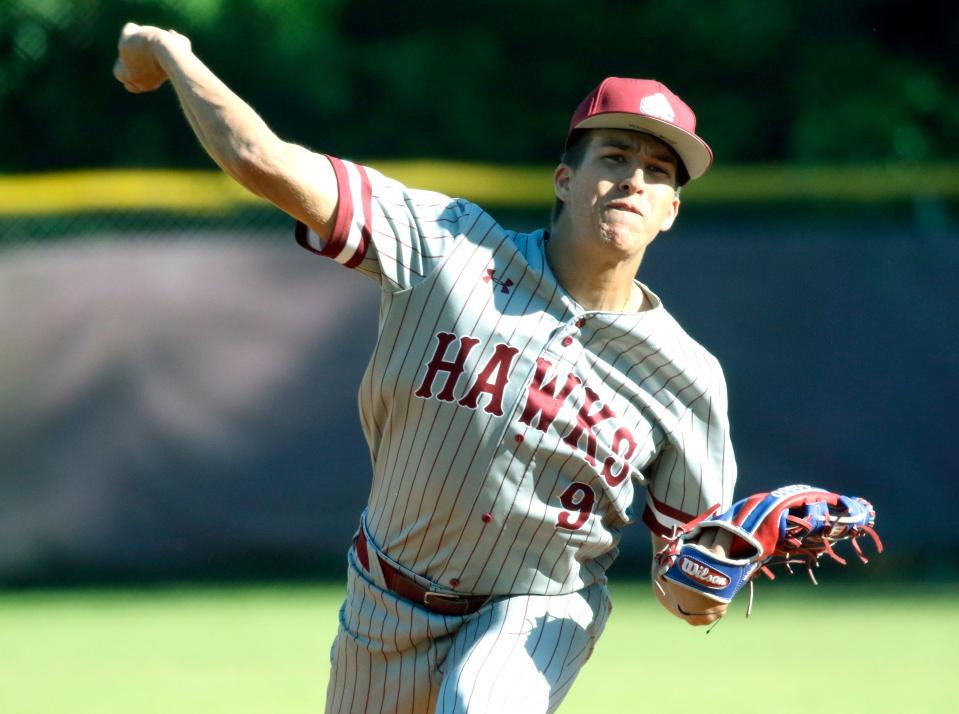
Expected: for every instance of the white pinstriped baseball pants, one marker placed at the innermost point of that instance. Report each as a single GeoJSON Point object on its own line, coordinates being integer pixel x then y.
{"type": "Point", "coordinates": [516, 654]}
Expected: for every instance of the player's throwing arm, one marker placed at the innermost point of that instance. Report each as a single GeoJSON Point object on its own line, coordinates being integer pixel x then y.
{"type": "Point", "coordinates": [294, 179]}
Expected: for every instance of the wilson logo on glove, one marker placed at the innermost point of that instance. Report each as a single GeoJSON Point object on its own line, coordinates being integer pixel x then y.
{"type": "Point", "coordinates": [702, 573]}
{"type": "Point", "coordinates": [789, 490]}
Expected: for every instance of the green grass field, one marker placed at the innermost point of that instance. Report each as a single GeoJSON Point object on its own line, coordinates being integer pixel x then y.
{"type": "Point", "coordinates": [265, 650]}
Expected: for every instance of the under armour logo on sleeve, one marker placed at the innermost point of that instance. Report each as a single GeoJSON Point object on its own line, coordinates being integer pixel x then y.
{"type": "Point", "coordinates": [504, 285]}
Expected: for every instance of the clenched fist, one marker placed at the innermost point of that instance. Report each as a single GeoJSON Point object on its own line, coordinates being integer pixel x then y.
{"type": "Point", "coordinates": [137, 66]}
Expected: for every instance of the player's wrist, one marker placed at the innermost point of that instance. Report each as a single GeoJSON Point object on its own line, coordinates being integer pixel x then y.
{"type": "Point", "coordinates": [168, 48]}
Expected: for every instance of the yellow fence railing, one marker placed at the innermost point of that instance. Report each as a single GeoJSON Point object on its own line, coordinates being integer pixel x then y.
{"type": "Point", "coordinates": [487, 184]}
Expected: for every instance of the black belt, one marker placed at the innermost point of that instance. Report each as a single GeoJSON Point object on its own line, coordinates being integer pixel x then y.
{"type": "Point", "coordinates": [406, 587]}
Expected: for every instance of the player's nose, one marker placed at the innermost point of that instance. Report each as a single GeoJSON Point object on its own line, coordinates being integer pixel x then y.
{"type": "Point", "coordinates": [634, 181]}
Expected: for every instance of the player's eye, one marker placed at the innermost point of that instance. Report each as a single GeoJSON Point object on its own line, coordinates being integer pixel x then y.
{"type": "Point", "coordinates": [660, 170]}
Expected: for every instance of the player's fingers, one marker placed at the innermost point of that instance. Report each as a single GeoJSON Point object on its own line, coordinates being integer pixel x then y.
{"type": "Point", "coordinates": [120, 72]}
{"type": "Point", "coordinates": [123, 77]}
{"type": "Point", "coordinates": [130, 28]}
{"type": "Point", "coordinates": [706, 537]}
{"type": "Point", "coordinates": [126, 33]}
{"type": "Point", "coordinates": [723, 542]}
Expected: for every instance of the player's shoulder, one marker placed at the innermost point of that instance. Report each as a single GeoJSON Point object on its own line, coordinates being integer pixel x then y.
{"type": "Point", "coordinates": [390, 189]}
{"type": "Point", "coordinates": [457, 215]}
{"type": "Point", "coordinates": [531, 244]}
{"type": "Point", "coordinates": [684, 341]}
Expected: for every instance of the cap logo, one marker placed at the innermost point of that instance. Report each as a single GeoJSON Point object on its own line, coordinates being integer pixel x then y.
{"type": "Point", "coordinates": [656, 105]}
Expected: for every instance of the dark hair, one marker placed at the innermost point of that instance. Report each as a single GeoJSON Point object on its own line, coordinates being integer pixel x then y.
{"type": "Point", "coordinates": [573, 157]}
{"type": "Point", "coordinates": [575, 153]}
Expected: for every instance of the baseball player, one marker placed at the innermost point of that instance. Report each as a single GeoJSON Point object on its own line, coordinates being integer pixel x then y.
{"type": "Point", "coordinates": [522, 386]}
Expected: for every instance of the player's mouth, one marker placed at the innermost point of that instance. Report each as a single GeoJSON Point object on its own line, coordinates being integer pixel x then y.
{"type": "Point", "coordinates": [620, 205]}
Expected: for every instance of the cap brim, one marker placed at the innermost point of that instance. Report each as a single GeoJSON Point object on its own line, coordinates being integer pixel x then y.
{"type": "Point", "coordinates": [695, 153]}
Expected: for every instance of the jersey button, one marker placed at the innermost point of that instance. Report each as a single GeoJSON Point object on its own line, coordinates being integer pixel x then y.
{"type": "Point", "coordinates": [567, 341]}
{"type": "Point", "coordinates": [580, 322]}
{"type": "Point", "coordinates": [519, 438]}
{"type": "Point", "coordinates": [455, 582]}
{"type": "Point", "coordinates": [487, 517]}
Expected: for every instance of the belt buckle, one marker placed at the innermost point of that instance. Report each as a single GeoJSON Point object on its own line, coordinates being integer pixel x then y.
{"type": "Point", "coordinates": [444, 600]}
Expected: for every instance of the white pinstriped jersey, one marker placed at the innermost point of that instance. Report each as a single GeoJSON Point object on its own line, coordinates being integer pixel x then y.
{"type": "Point", "coordinates": [508, 426]}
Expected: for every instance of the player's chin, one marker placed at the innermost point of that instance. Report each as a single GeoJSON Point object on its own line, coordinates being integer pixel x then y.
{"type": "Point", "coordinates": [623, 238]}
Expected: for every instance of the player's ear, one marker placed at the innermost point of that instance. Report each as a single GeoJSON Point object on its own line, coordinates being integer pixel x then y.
{"type": "Point", "coordinates": [561, 179]}
{"type": "Point", "coordinates": [671, 214]}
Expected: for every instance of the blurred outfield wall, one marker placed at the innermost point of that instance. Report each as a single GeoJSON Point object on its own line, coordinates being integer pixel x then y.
{"type": "Point", "coordinates": [177, 397]}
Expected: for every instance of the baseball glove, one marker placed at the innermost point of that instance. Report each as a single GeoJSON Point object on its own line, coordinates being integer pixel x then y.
{"type": "Point", "coordinates": [793, 524]}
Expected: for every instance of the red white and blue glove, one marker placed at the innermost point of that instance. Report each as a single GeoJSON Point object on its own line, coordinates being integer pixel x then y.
{"type": "Point", "coordinates": [793, 524]}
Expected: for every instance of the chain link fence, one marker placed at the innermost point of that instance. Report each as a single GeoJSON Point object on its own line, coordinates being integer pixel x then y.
{"type": "Point", "coordinates": [178, 388]}
{"type": "Point", "coordinates": [174, 391]}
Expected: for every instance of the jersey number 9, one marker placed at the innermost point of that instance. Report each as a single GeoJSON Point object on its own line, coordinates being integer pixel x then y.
{"type": "Point", "coordinates": [578, 500]}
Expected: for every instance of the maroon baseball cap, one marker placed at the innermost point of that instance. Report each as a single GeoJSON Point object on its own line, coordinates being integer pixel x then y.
{"type": "Point", "coordinates": [645, 105]}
